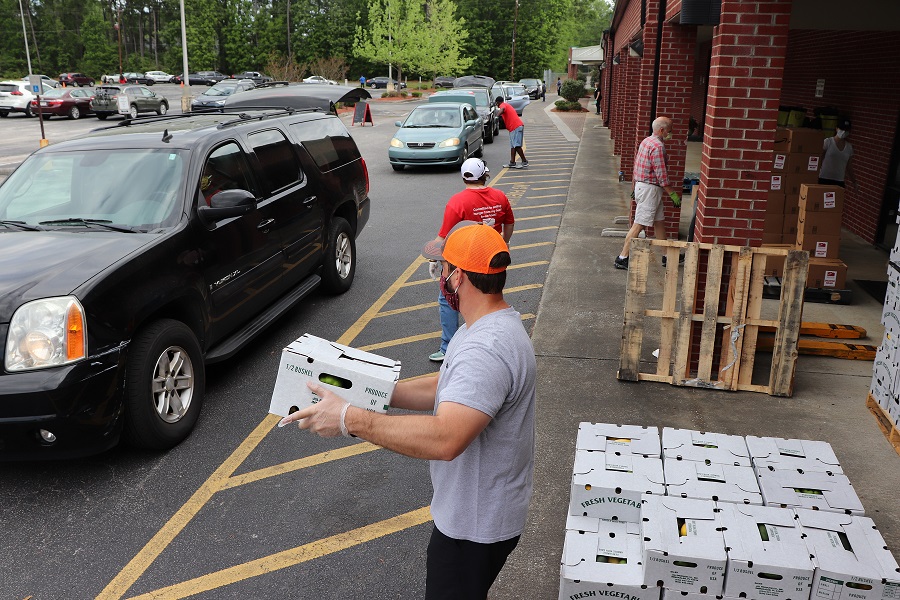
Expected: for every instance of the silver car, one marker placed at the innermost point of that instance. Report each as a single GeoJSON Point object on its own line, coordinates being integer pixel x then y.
{"type": "Point", "coordinates": [515, 95]}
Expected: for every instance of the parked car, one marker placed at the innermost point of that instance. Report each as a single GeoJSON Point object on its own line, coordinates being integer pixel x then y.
{"type": "Point", "coordinates": [298, 96]}
{"type": "Point", "coordinates": [130, 100]}
{"type": "Point", "coordinates": [140, 78]}
{"type": "Point", "coordinates": [514, 94]}
{"type": "Point", "coordinates": [533, 87]}
{"type": "Point", "coordinates": [254, 76]}
{"type": "Point", "coordinates": [319, 79]}
{"type": "Point", "coordinates": [159, 76]}
{"type": "Point", "coordinates": [214, 97]}
{"type": "Point", "coordinates": [16, 96]}
{"type": "Point", "coordinates": [443, 82]}
{"type": "Point", "coordinates": [114, 78]}
{"type": "Point", "coordinates": [64, 102]}
{"type": "Point", "coordinates": [382, 82]}
{"type": "Point", "coordinates": [484, 104]}
{"type": "Point", "coordinates": [437, 133]}
{"type": "Point", "coordinates": [123, 276]}
{"type": "Point", "coordinates": [46, 79]}
{"type": "Point", "coordinates": [205, 78]}
{"type": "Point", "coordinates": [75, 79]}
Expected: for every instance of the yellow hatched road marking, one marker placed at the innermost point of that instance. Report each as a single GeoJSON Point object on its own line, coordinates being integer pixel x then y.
{"type": "Point", "coordinates": [553, 187]}
{"type": "Point", "coordinates": [551, 216]}
{"type": "Point", "coordinates": [520, 288]}
{"type": "Point", "coordinates": [547, 181]}
{"type": "Point", "coordinates": [547, 196]}
{"type": "Point", "coordinates": [540, 206]}
{"type": "Point", "coordinates": [532, 230]}
{"type": "Point", "coordinates": [534, 245]}
{"type": "Point", "coordinates": [152, 549]}
{"type": "Point", "coordinates": [291, 557]}
{"type": "Point", "coordinates": [300, 463]}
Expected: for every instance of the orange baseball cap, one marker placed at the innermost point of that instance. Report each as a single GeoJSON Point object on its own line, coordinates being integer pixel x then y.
{"type": "Point", "coordinates": [470, 246]}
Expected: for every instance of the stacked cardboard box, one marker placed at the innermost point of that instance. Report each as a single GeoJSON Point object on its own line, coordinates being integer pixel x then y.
{"type": "Point", "coordinates": [708, 537]}
{"type": "Point", "coordinates": [794, 162]}
{"type": "Point", "coordinates": [885, 387]}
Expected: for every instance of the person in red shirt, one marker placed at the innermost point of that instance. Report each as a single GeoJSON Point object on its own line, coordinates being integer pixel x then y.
{"type": "Point", "coordinates": [516, 129]}
{"type": "Point", "coordinates": [479, 203]}
{"type": "Point", "coordinates": [650, 178]}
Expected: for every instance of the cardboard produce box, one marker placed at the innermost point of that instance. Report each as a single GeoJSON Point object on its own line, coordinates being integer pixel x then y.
{"type": "Point", "coordinates": [851, 558]}
{"type": "Point", "coordinates": [819, 223]}
{"type": "Point", "coordinates": [367, 380]}
{"type": "Point", "coordinates": [718, 448]}
{"type": "Point", "coordinates": [775, 202]}
{"type": "Point", "coordinates": [789, 224]}
{"type": "Point", "coordinates": [799, 139]}
{"type": "Point", "coordinates": [607, 485]}
{"type": "Point", "coordinates": [781, 453]}
{"type": "Point", "coordinates": [767, 558]}
{"type": "Point", "coordinates": [773, 223]}
{"type": "Point", "coordinates": [721, 483]}
{"type": "Point", "coordinates": [774, 262]}
{"type": "Point", "coordinates": [683, 545]}
{"type": "Point", "coordinates": [792, 182]}
{"type": "Point", "coordinates": [622, 439]}
{"type": "Point", "coordinates": [795, 488]}
{"type": "Point", "coordinates": [792, 204]}
{"type": "Point", "coordinates": [885, 380]}
{"type": "Point", "coordinates": [770, 239]}
{"type": "Point", "coordinates": [603, 558]}
{"type": "Point", "coordinates": [795, 162]}
{"type": "Point", "coordinates": [819, 246]}
{"type": "Point", "coordinates": [830, 273]}
{"type": "Point", "coordinates": [819, 198]}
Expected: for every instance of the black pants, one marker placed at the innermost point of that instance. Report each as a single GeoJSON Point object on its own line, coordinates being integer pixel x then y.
{"type": "Point", "coordinates": [823, 181]}
{"type": "Point", "coordinates": [463, 570]}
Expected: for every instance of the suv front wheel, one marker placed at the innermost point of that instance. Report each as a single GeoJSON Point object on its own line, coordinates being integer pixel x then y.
{"type": "Point", "coordinates": [339, 265]}
{"type": "Point", "coordinates": [164, 385]}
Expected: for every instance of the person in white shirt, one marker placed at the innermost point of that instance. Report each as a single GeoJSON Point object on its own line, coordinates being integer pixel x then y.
{"type": "Point", "coordinates": [835, 163]}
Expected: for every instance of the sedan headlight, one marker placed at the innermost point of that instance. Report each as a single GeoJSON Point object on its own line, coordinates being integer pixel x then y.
{"type": "Point", "coordinates": [449, 143]}
{"type": "Point", "coordinates": [46, 333]}
{"type": "Point", "coordinates": [395, 143]}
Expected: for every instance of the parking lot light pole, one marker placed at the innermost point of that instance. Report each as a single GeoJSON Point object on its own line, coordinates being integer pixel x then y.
{"type": "Point", "coordinates": [185, 81]}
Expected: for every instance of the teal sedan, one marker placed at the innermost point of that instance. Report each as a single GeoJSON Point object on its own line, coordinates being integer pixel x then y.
{"type": "Point", "coordinates": [437, 133]}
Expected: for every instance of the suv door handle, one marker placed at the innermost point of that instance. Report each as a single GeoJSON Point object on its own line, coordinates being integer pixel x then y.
{"type": "Point", "coordinates": [309, 200]}
{"type": "Point", "coordinates": [265, 224]}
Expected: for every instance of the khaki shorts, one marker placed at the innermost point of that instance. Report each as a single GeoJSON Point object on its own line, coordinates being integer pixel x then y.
{"type": "Point", "coordinates": [649, 207]}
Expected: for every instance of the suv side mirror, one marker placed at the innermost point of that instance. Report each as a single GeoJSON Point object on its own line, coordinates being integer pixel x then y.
{"type": "Point", "coordinates": [226, 204]}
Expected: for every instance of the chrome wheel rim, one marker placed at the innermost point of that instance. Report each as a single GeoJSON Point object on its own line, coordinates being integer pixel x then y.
{"type": "Point", "coordinates": [343, 255]}
{"type": "Point", "coordinates": [172, 387]}
{"type": "Point", "coordinates": [133, 112]}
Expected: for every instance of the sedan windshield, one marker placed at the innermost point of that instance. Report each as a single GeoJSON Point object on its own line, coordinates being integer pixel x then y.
{"type": "Point", "coordinates": [221, 90]}
{"type": "Point", "coordinates": [433, 117]}
{"type": "Point", "coordinates": [132, 188]}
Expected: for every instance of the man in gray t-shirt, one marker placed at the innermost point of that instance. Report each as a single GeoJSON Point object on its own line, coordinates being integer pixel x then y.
{"type": "Point", "coordinates": [480, 437]}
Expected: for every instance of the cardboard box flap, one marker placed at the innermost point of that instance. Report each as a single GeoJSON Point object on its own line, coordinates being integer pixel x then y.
{"type": "Point", "coordinates": [579, 546]}
{"type": "Point", "coordinates": [780, 517]}
{"type": "Point", "coordinates": [626, 470]}
{"type": "Point", "coordinates": [817, 519]}
{"type": "Point", "coordinates": [626, 439]}
{"type": "Point", "coordinates": [787, 450]}
{"type": "Point", "coordinates": [685, 444]}
{"type": "Point", "coordinates": [688, 508]}
{"type": "Point", "coordinates": [334, 352]}
{"type": "Point", "coordinates": [582, 523]}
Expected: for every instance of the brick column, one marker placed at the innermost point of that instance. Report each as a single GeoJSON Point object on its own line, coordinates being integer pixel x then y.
{"type": "Point", "coordinates": [748, 52]}
{"type": "Point", "coordinates": [625, 145]}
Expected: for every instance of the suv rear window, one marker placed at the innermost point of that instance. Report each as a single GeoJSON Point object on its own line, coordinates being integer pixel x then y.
{"type": "Point", "coordinates": [6, 87]}
{"type": "Point", "coordinates": [327, 141]}
{"type": "Point", "coordinates": [276, 159]}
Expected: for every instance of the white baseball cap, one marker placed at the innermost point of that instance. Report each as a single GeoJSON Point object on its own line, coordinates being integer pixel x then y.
{"type": "Point", "coordinates": [474, 169]}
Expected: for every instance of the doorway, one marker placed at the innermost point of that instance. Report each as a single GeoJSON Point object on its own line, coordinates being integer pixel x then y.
{"type": "Point", "coordinates": [887, 222]}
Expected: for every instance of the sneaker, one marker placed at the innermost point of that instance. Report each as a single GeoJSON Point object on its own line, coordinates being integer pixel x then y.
{"type": "Point", "coordinates": [511, 165]}
{"type": "Point", "coordinates": [524, 163]}
{"type": "Point", "coordinates": [436, 357]}
{"type": "Point", "coordinates": [520, 166]}
{"type": "Point", "coordinates": [621, 263]}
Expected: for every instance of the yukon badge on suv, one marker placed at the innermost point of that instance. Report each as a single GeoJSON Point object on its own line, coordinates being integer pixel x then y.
{"type": "Point", "coordinates": [133, 257]}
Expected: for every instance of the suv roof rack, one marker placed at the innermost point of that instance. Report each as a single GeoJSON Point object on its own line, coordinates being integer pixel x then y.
{"type": "Point", "coordinates": [273, 111]}
{"type": "Point", "coordinates": [271, 84]}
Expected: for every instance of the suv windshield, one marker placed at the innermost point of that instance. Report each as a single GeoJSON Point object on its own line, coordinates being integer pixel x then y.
{"type": "Point", "coordinates": [97, 185]}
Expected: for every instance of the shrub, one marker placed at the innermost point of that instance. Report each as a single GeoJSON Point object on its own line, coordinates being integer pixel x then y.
{"type": "Point", "coordinates": [391, 94]}
{"type": "Point", "coordinates": [566, 105]}
{"type": "Point", "coordinates": [416, 94]}
{"type": "Point", "coordinates": [572, 90]}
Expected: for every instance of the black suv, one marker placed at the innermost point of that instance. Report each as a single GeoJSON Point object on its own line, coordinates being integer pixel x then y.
{"type": "Point", "coordinates": [134, 256]}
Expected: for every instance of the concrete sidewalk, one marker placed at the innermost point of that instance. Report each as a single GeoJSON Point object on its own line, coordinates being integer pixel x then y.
{"type": "Point", "coordinates": [577, 339]}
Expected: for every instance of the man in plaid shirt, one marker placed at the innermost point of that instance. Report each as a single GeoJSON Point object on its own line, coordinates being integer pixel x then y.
{"type": "Point", "coordinates": [649, 180]}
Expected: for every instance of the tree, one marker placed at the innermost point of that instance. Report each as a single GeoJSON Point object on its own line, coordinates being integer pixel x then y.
{"type": "Point", "coordinates": [440, 41]}
{"type": "Point", "coordinates": [99, 54]}
{"type": "Point", "coordinates": [393, 33]}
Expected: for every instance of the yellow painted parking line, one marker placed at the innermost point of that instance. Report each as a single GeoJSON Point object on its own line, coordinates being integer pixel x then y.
{"type": "Point", "coordinates": [512, 290]}
{"type": "Point", "coordinates": [532, 230]}
{"type": "Point", "coordinates": [525, 246]}
{"type": "Point", "coordinates": [540, 206]}
{"type": "Point", "coordinates": [546, 196]}
{"type": "Point", "coordinates": [291, 557]}
{"type": "Point", "coordinates": [553, 216]}
{"type": "Point", "coordinates": [553, 187]}
{"type": "Point", "coordinates": [152, 549]}
{"type": "Point", "coordinates": [300, 463]}
{"type": "Point", "coordinates": [547, 181]}
{"type": "Point", "coordinates": [512, 267]}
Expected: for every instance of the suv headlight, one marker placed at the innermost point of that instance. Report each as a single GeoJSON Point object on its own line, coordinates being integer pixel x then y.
{"type": "Point", "coordinates": [46, 333]}
{"type": "Point", "coordinates": [449, 143]}
{"type": "Point", "coordinates": [395, 143]}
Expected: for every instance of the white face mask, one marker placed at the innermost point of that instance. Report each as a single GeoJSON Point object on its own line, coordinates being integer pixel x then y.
{"type": "Point", "coordinates": [842, 134]}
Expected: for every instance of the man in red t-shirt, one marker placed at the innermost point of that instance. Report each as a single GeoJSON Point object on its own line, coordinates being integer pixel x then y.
{"type": "Point", "coordinates": [479, 203]}
{"type": "Point", "coordinates": [516, 129]}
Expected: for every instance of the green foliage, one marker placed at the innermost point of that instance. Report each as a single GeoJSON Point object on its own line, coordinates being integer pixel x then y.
{"type": "Point", "coordinates": [99, 54]}
{"type": "Point", "coordinates": [567, 106]}
{"type": "Point", "coordinates": [416, 94]}
{"type": "Point", "coordinates": [572, 89]}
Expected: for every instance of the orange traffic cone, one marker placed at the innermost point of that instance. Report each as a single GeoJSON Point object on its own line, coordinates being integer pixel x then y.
{"type": "Point", "coordinates": [64, 84]}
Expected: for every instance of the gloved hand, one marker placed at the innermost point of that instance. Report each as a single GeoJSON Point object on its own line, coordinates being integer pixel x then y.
{"type": "Point", "coordinates": [675, 199]}
{"type": "Point", "coordinates": [434, 269]}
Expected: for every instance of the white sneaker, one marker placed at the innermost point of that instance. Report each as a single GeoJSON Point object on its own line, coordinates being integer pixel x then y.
{"type": "Point", "coordinates": [511, 165]}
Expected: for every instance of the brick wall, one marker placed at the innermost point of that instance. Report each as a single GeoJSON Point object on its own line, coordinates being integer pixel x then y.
{"type": "Point", "coordinates": [861, 70]}
{"type": "Point", "coordinates": [746, 70]}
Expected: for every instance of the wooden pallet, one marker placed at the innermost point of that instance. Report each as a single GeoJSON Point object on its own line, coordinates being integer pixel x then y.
{"type": "Point", "coordinates": [826, 330]}
{"type": "Point", "coordinates": [821, 348]}
{"type": "Point", "coordinates": [741, 320]}
{"type": "Point", "coordinates": [885, 424]}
